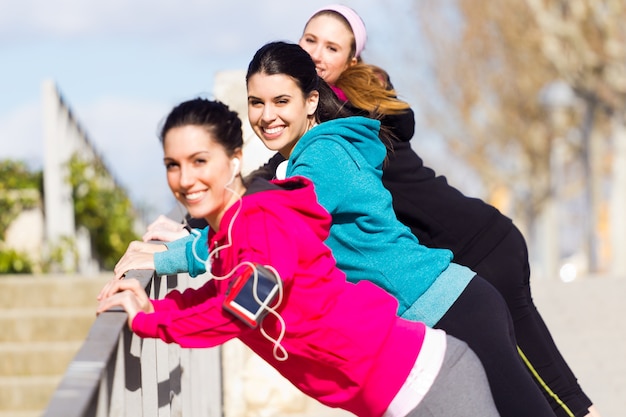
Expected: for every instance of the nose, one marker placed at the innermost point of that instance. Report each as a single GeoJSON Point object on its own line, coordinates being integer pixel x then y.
{"type": "Point", "coordinates": [187, 178]}
{"type": "Point", "coordinates": [268, 114]}
{"type": "Point", "coordinates": [316, 53]}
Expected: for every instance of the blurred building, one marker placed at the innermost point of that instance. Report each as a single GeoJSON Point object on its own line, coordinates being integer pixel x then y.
{"type": "Point", "coordinates": [49, 231]}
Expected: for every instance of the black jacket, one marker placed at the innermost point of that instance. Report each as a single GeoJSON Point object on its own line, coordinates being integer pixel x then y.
{"type": "Point", "coordinates": [437, 213]}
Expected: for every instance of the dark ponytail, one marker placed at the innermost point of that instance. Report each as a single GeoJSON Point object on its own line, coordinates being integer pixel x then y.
{"type": "Point", "coordinates": [214, 116]}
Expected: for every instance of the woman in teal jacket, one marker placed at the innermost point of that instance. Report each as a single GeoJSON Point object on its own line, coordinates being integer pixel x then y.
{"type": "Point", "coordinates": [367, 240]}
{"type": "Point", "coordinates": [294, 112]}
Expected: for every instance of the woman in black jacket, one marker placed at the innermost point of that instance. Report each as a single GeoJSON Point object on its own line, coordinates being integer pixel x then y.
{"type": "Point", "coordinates": [438, 214]}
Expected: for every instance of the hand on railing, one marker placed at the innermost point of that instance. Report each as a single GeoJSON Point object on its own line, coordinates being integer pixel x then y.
{"type": "Point", "coordinates": [165, 229]}
{"type": "Point", "coordinates": [139, 255]}
{"type": "Point", "coordinates": [128, 294]}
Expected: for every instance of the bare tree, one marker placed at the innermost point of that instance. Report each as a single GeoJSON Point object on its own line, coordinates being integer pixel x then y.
{"type": "Point", "coordinates": [585, 40]}
{"type": "Point", "coordinates": [490, 73]}
{"type": "Point", "coordinates": [495, 63]}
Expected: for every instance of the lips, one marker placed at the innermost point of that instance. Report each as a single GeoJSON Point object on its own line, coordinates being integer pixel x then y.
{"type": "Point", "coordinates": [273, 131]}
{"type": "Point", "coordinates": [193, 197]}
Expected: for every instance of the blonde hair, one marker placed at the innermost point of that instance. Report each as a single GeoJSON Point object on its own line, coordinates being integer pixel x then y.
{"type": "Point", "coordinates": [367, 87]}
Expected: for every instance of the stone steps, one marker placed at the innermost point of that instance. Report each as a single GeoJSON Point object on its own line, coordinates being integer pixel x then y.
{"type": "Point", "coordinates": [44, 321]}
{"type": "Point", "coordinates": [45, 325]}
{"type": "Point", "coordinates": [27, 393]}
{"type": "Point", "coordinates": [43, 291]}
{"type": "Point", "coordinates": [16, 413]}
{"type": "Point", "coordinates": [28, 359]}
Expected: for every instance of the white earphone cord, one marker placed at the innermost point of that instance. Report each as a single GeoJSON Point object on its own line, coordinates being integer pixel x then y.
{"type": "Point", "coordinates": [272, 310]}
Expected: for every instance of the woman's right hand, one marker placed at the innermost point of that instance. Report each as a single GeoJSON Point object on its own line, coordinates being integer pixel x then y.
{"type": "Point", "coordinates": [127, 294]}
{"type": "Point", "coordinates": [165, 229]}
{"type": "Point", "coordinates": [132, 259]}
{"type": "Point", "coordinates": [139, 255]}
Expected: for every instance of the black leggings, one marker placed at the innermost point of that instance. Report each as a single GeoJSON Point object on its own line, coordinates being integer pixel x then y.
{"type": "Point", "coordinates": [507, 269]}
{"type": "Point", "coordinates": [481, 319]}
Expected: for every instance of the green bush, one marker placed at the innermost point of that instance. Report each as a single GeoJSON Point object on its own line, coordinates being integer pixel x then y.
{"type": "Point", "coordinates": [20, 190]}
{"type": "Point", "coordinates": [103, 208]}
{"type": "Point", "coordinates": [13, 262]}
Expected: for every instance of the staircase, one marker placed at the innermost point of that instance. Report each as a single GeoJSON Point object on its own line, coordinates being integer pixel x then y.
{"type": "Point", "coordinates": [44, 320]}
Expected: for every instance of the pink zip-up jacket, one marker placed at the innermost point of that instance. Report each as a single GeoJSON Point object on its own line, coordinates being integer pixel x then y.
{"type": "Point", "coordinates": [346, 347]}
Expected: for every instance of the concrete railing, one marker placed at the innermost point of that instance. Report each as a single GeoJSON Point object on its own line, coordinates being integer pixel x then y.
{"type": "Point", "coordinates": [117, 374]}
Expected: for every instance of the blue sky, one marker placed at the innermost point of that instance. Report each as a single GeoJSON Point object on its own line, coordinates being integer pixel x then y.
{"type": "Point", "coordinates": [122, 64]}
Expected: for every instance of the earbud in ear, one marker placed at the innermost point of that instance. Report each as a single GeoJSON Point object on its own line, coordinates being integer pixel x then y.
{"type": "Point", "coordinates": [235, 165]}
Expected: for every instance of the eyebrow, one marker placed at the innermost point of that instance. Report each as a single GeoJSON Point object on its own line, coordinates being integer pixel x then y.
{"type": "Point", "coordinates": [311, 35]}
{"type": "Point", "coordinates": [335, 44]}
{"type": "Point", "coordinates": [193, 155]}
{"type": "Point", "coordinates": [273, 98]}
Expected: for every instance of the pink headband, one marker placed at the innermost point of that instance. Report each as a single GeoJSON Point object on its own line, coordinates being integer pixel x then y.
{"type": "Point", "coordinates": [356, 24]}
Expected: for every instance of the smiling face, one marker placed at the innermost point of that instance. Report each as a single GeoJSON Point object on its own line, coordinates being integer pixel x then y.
{"type": "Point", "coordinates": [330, 43]}
{"type": "Point", "coordinates": [278, 111]}
{"type": "Point", "coordinates": [198, 172]}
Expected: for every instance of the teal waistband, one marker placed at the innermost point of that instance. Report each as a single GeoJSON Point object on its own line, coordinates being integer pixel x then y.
{"type": "Point", "coordinates": [438, 299]}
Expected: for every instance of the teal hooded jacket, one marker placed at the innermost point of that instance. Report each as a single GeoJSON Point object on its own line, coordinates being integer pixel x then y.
{"type": "Point", "coordinates": [344, 159]}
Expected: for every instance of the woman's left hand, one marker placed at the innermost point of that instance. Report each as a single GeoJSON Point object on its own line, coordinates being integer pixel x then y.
{"type": "Point", "coordinates": [139, 255]}
{"type": "Point", "coordinates": [165, 230]}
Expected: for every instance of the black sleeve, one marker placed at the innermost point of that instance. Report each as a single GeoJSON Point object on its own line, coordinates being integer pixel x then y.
{"type": "Point", "coordinates": [194, 223]}
{"type": "Point", "coordinates": [268, 170]}
{"type": "Point", "coordinates": [402, 125]}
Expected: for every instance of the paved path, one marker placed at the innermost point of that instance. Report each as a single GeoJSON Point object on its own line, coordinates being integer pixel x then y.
{"type": "Point", "coordinates": [587, 319]}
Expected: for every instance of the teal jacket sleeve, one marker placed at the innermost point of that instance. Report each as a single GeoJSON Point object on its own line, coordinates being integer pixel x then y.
{"type": "Point", "coordinates": [179, 242]}
{"type": "Point", "coordinates": [197, 252]}
{"type": "Point", "coordinates": [187, 254]}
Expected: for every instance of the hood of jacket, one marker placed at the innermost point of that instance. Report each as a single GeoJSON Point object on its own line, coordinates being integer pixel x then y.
{"type": "Point", "coordinates": [295, 194]}
{"type": "Point", "coordinates": [355, 134]}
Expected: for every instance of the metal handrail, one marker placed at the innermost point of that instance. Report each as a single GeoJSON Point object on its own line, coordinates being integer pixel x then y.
{"type": "Point", "coordinates": [117, 374]}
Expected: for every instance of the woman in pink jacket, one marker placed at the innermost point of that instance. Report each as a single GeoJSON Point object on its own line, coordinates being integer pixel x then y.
{"type": "Point", "coordinates": [276, 287]}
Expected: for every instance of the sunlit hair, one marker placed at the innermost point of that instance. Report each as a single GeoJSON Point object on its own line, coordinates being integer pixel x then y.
{"type": "Point", "coordinates": [291, 60]}
{"type": "Point", "coordinates": [223, 124]}
{"type": "Point", "coordinates": [367, 87]}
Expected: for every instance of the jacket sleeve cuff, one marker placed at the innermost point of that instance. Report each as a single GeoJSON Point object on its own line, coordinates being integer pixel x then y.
{"type": "Point", "coordinates": [171, 261]}
{"type": "Point", "coordinates": [178, 243]}
{"type": "Point", "coordinates": [145, 325]}
{"type": "Point", "coordinates": [197, 253]}
{"type": "Point", "coordinates": [164, 304]}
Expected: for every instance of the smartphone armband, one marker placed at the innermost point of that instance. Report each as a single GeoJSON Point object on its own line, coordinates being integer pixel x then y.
{"type": "Point", "coordinates": [240, 299]}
